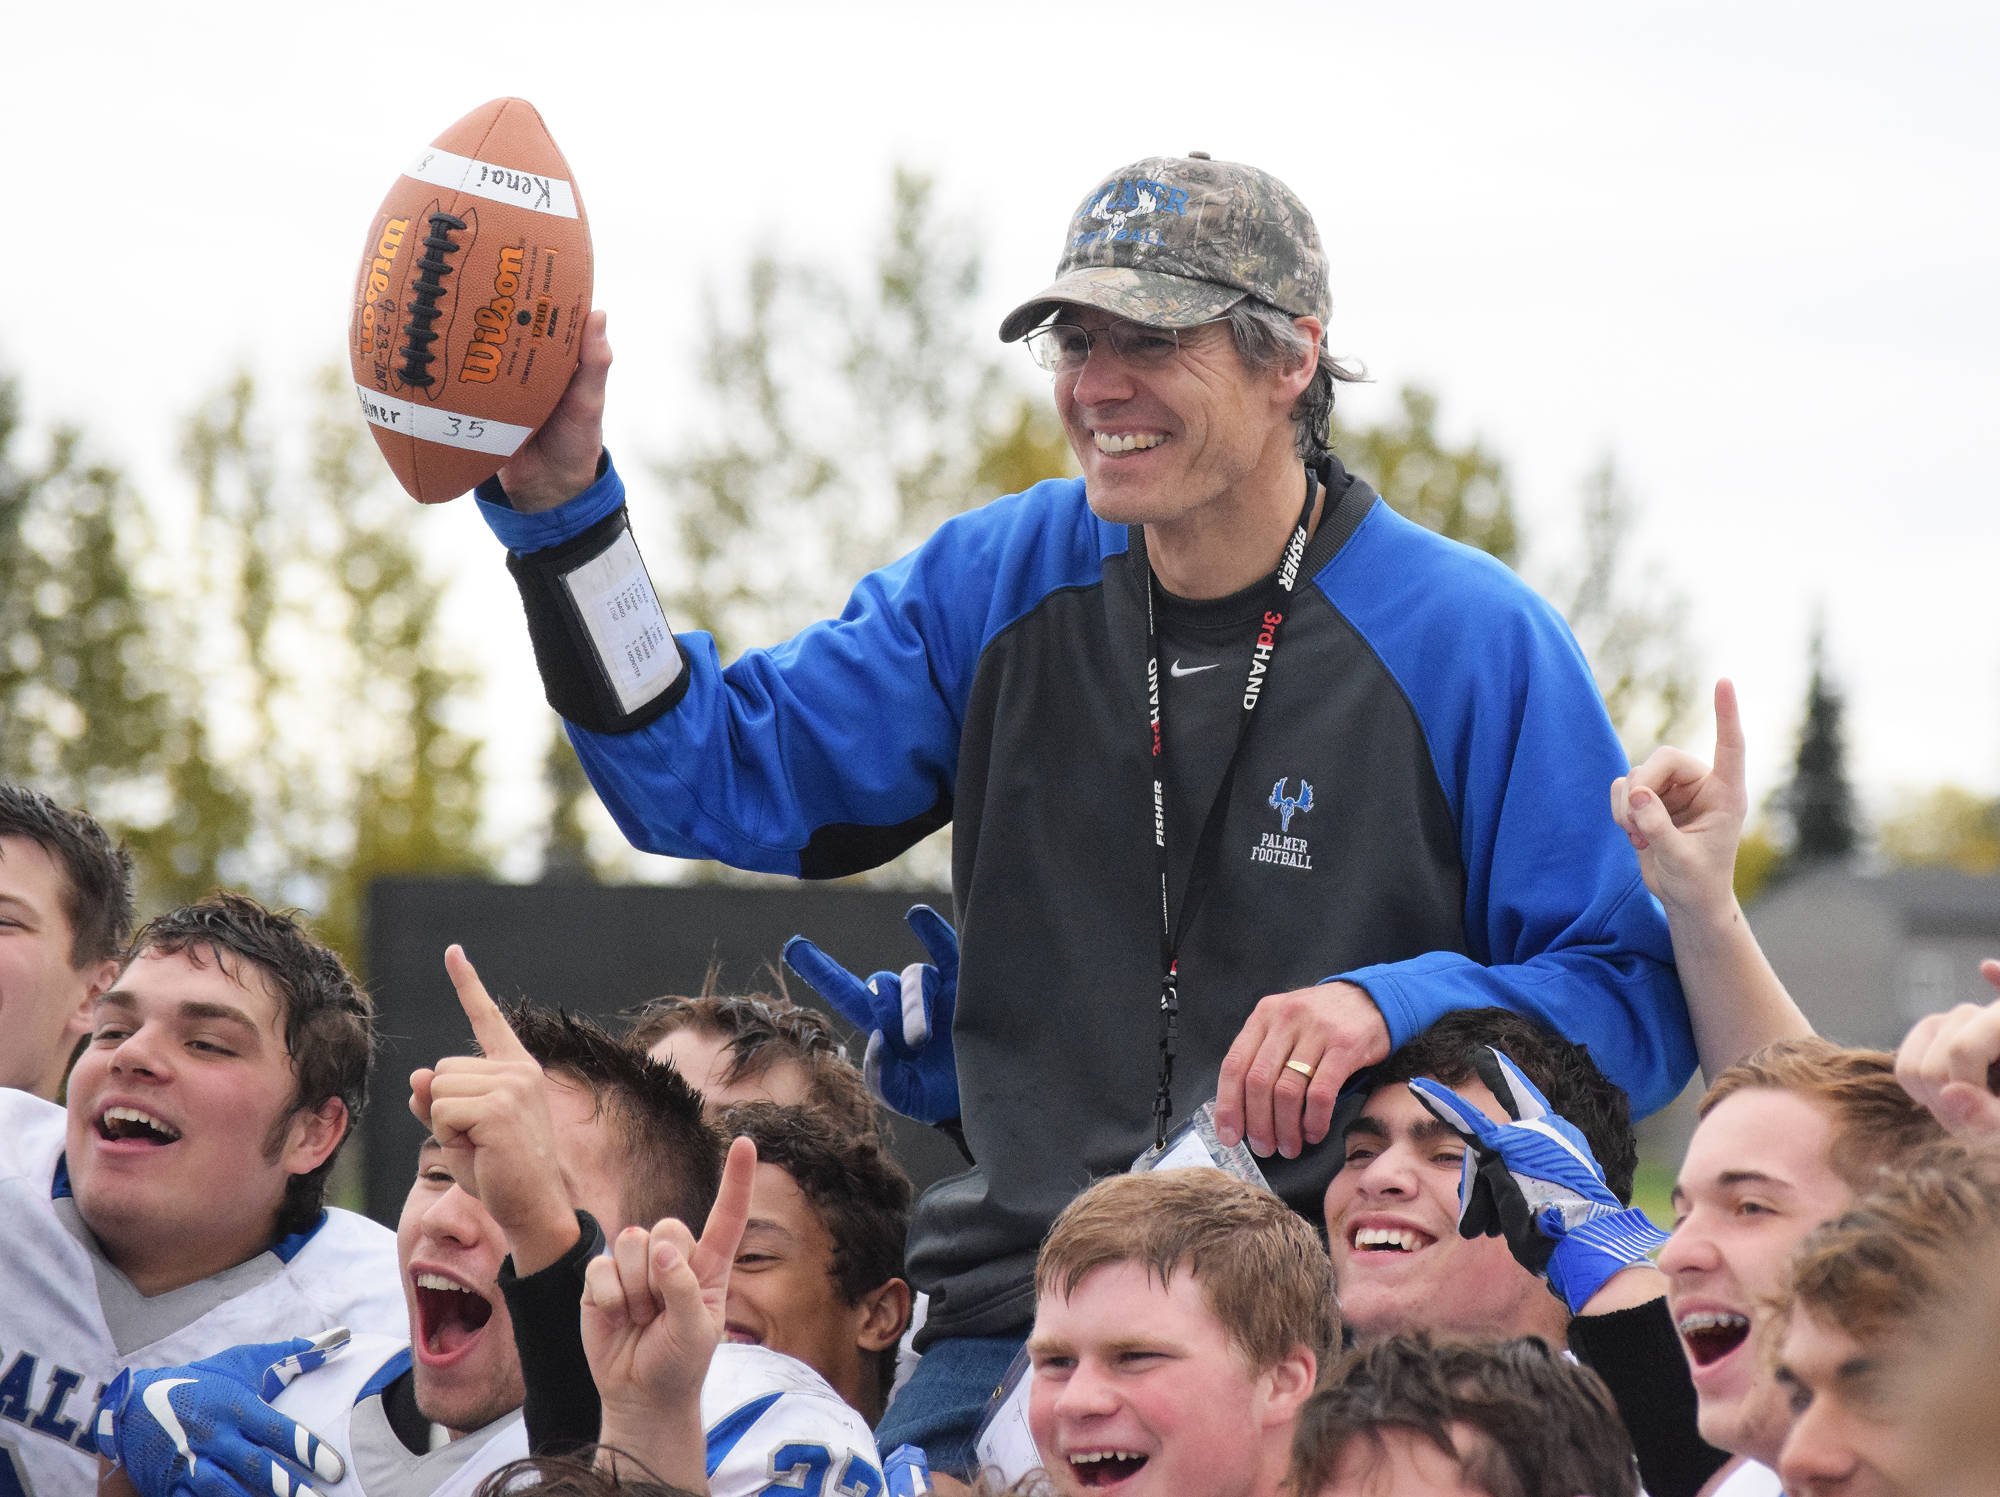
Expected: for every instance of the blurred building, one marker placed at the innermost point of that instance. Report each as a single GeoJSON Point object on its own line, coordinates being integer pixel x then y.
{"type": "Point", "coordinates": [1865, 955]}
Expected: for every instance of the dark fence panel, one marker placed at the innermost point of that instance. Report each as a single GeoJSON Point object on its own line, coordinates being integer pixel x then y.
{"type": "Point", "coordinates": [598, 950]}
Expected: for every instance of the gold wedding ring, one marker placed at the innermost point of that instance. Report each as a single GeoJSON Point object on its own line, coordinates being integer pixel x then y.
{"type": "Point", "coordinates": [1301, 1067]}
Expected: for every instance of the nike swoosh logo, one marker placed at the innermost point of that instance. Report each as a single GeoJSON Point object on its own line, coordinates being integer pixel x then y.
{"type": "Point", "coordinates": [155, 1399]}
{"type": "Point", "coordinates": [1177, 669]}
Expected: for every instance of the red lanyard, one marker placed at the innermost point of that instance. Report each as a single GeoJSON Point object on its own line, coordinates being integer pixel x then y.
{"type": "Point", "coordinates": [1201, 872]}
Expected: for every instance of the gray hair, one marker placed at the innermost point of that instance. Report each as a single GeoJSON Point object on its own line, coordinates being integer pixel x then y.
{"type": "Point", "coordinates": [1267, 338]}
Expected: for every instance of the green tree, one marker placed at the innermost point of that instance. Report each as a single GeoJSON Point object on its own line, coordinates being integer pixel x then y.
{"type": "Point", "coordinates": [1945, 827]}
{"type": "Point", "coordinates": [1632, 630]}
{"type": "Point", "coordinates": [326, 671]}
{"type": "Point", "coordinates": [844, 419]}
{"type": "Point", "coordinates": [1460, 492]}
{"type": "Point", "coordinates": [566, 838]}
{"type": "Point", "coordinates": [413, 793]}
{"type": "Point", "coordinates": [95, 708]}
{"type": "Point", "coordinates": [1819, 801]}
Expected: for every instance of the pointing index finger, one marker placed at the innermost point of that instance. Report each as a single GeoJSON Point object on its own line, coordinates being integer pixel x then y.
{"type": "Point", "coordinates": [723, 1231]}
{"type": "Point", "coordinates": [1728, 734]}
{"type": "Point", "coordinates": [490, 1028]}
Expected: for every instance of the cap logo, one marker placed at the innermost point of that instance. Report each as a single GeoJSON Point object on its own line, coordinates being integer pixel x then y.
{"type": "Point", "coordinates": [1116, 202]}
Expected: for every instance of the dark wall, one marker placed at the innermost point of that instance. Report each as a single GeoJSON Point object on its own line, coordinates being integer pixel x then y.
{"type": "Point", "coordinates": [599, 950]}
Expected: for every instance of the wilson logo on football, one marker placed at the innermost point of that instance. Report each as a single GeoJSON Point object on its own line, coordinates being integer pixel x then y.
{"type": "Point", "coordinates": [491, 323]}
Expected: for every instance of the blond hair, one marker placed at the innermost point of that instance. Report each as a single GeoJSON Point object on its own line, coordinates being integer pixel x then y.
{"type": "Point", "coordinates": [1875, 1122]}
{"type": "Point", "coordinates": [1262, 1271]}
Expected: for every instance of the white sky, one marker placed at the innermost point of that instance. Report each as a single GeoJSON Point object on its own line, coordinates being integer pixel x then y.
{"type": "Point", "coordinates": [1746, 248]}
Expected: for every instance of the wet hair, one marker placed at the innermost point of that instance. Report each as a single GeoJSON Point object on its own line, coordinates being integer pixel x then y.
{"type": "Point", "coordinates": [858, 1190]}
{"type": "Point", "coordinates": [1580, 1093]}
{"type": "Point", "coordinates": [1538, 1424]}
{"type": "Point", "coordinates": [1262, 1271]}
{"type": "Point", "coordinates": [1875, 1122]}
{"type": "Point", "coordinates": [672, 1159]}
{"type": "Point", "coordinates": [329, 1021]}
{"type": "Point", "coordinates": [763, 1030]}
{"type": "Point", "coordinates": [1267, 338]}
{"type": "Point", "coordinates": [97, 872]}
{"type": "Point", "coordinates": [578, 1475]}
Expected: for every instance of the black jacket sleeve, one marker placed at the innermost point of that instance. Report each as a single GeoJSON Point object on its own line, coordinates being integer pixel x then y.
{"type": "Point", "coordinates": [562, 1409]}
{"type": "Point", "coordinates": [1639, 1357]}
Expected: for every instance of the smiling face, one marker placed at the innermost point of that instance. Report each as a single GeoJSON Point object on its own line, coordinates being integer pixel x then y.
{"type": "Point", "coordinates": [1140, 1392]}
{"type": "Point", "coordinates": [45, 1003]}
{"type": "Point", "coordinates": [1191, 437]}
{"type": "Point", "coordinates": [182, 1130]}
{"type": "Point", "coordinates": [783, 1294]}
{"type": "Point", "coordinates": [1757, 1178]}
{"type": "Point", "coordinates": [1850, 1429]}
{"type": "Point", "coordinates": [466, 1370]}
{"type": "Point", "coordinates": [1392, 1223]}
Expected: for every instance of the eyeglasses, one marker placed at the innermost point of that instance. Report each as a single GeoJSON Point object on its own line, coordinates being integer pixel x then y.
{"type": "Point", "coordinates": [1062, 347]}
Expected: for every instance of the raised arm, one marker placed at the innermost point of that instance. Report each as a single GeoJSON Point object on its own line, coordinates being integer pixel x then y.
{"type": "Point", "coordinates": [1685, 820]}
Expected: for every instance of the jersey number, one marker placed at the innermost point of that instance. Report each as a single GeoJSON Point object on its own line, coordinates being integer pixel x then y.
{"type": "Point", "coordinates": [802, 1468]}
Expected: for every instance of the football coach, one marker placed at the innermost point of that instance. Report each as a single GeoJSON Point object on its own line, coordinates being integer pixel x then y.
{"type": "Point", "coordinates": [1250, 778]}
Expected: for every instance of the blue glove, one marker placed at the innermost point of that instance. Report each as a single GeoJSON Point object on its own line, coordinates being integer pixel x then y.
{"type": "Point", "coordinates": [907, 1017]}
{"type": "Point", "coordinates": [1535, 1182]}
{"type": "Point", "coordinates": [908, 1472]}
{"type": "Point", "coordinates": [208, 1429]}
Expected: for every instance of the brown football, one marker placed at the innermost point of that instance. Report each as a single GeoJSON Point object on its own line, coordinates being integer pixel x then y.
{"type": "Point", "coordinates": [469, 310]}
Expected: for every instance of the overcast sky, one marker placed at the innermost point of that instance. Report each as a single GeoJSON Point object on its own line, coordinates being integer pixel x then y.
{"type": "Point", "coordinates": [1747, 249]}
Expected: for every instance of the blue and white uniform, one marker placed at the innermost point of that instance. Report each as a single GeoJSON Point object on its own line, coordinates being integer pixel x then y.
{"type": "Point", "coordinates": [770, 1420]}
{"type": "Point", "coordinates": [69, 1320]}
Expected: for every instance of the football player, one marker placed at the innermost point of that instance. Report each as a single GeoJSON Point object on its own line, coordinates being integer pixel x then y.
{"type": "Point", "coordinates": [174, 1209]}
{"type": "Point", "coordinates": [554, 1128]}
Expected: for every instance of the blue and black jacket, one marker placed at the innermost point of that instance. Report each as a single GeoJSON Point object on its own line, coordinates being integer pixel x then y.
{"type": "Point", "coordinates": [1458, 849]}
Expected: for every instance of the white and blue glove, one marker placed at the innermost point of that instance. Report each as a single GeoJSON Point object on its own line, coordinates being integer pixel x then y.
{"type": "Point", "coordinates": [908, 1472]}
{"type": "Point", "coordinates": [907, 1017]}
{"type": "Point", "coordinates": [1535, 1182]}
{"type": "Point", "coordinates": [208, 1429]}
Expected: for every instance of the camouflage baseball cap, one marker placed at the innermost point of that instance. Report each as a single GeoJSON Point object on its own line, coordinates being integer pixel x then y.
{"type": "Point", "coordinates": [1175, 240]}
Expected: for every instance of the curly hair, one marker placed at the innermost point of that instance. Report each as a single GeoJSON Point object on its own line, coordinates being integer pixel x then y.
{"type": "Point", "coordinates": [1579, 1092]}
{"type": "Point", "coordinates": [855, 1186]}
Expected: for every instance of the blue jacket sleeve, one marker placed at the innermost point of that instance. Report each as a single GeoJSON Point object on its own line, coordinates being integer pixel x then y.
{"type": "Point", "coordinates": [852, 723]}
{"type": "Point", "coordinates": [1558, 923]}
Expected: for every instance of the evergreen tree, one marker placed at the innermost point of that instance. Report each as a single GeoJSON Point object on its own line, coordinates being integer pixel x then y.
{"type": "Point", "coordinates": [1819, 800]}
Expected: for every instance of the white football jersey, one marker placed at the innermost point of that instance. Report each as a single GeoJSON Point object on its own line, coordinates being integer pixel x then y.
{"type": "Point", "coordinates": [342, 1403]}
{"type": "Point", "coordinates": [771, 1421]}
{"type": "Point", "coordinates": [70, 1321]}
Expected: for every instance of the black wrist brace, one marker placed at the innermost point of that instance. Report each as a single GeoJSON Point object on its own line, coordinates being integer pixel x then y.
{"type": "Point", "coordinates": [608, 661]}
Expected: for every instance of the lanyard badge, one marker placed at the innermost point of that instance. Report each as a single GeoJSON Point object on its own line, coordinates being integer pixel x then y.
{"type": "Point", "coordinates": [1201, 873]}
